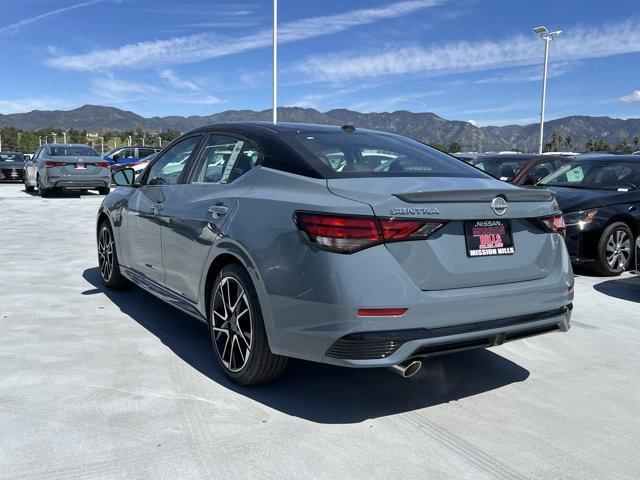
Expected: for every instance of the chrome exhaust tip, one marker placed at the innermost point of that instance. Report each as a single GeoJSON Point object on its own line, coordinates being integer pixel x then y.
{"type": "Point", "coordinates": [406, 369]}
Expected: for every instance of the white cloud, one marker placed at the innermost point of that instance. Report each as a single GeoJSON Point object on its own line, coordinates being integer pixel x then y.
{"type": "Point", "coordinates": [33, 103]}
{"type": "Point", "coordinates": [17, 26]}
{"type": "Point", "coordinates": [194, 48]}
{"type": "Point", "coordinates": [528, 74]}
{"type": "Point", "coordinates": [632, 98]}
{"type": "Point", "coordinates": [578, 43]}
{"type": "Point", "coordinates": [175, 81]}
{"type": "Point", "coordinates": [121, 90]}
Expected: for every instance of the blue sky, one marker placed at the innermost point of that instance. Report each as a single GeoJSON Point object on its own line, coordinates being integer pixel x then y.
{"type": "Point", "coordinates": [472, 60]}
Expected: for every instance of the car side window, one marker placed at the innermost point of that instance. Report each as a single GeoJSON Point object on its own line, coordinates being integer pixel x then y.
{"type": "Point", "coordinates": [225, 159]}
{"type": "Point", "coordinates": [144, 152]}
{"type": "Point", "coordinates": [168, 168]}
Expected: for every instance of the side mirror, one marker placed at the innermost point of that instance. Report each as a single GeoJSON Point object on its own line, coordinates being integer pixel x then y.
{"type": "Point", "coordinates": [125, 177]}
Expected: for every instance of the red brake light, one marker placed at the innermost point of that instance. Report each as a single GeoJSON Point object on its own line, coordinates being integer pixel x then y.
{"type": "Point", "coordinates": [347, 234]}
{"type": "Point", "coordinates": [50, 164]}
{"type": "Point", "coordinates": [103, 164]}
{"type": "Point", "coordinates": [555, 224]}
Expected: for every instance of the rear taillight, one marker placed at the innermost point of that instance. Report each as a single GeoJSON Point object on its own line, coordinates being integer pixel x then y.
{"type": "Point", "coordinates": [103, 164]}
{"type": "Point", "coordinates": [554, 224]}
{"type": "Point", "coordinates": [348, 234]}
{"type": "Point", "coordinates": [50, 164]}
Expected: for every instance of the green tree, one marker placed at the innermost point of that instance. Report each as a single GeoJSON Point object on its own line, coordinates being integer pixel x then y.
{"type": "Point", "coordinates": [454, 147]}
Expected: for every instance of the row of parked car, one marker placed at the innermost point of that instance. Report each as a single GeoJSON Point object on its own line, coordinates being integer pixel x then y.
{"type": "Point", "coordinates": [598, 193]}
{"type": "Point", "coordinates": [57, 167]}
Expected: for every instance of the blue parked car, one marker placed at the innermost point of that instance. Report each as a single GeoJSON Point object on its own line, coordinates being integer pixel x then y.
{"type": "Point", "coordinates": [129, 155]}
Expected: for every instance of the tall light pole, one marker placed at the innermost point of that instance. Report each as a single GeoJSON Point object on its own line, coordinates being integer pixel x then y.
{"type": "Point", "coordinates": [129, 140]}
{"type": "Point", "coordinates": [275, 62]}
{"type": "Point", "coordinates": [547, 36]}
{"type": "Point", "coordinates": [40, 141]}
{"type": "Point", "coordinates": [0, 143]}
{"type": "Point", "coordinates": [64, 136]}
{"type": "Point", "coordinates": [54, 135]}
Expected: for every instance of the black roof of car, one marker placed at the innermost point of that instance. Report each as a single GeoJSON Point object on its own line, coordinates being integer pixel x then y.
{"type": "Point", "coordinates": [280, 127]}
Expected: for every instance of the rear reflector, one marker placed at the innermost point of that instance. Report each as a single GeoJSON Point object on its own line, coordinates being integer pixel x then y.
{"type": "Point", "coordinates": [381, 312]}
{"type": "Point", "coordinates": [348, 234]}
{"type": "Point", "coordinates": [554, 224]}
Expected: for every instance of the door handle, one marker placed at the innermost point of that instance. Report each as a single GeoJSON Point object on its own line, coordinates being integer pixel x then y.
{"type": "Point", "coordinates": [218, 210]}
{"type": "Point", "coordinates": [157, 208]}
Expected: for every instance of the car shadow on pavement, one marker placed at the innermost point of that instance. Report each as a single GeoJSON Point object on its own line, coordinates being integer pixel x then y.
{"type": "Point", "coordinates": [627, 288]}
{"type": "Point", "coordinates": [316, 392]}
{"type": "Point", "coordinates": [64, 194]}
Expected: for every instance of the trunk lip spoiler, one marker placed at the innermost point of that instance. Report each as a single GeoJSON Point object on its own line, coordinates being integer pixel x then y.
{"type": "Point", "coordinates": [477, 196]}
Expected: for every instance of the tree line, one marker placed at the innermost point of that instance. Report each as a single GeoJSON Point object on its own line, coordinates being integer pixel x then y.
{"type": "Point", "coordinates": [16, 139]}
{"type": "Point", "coordinates": [560, 143]}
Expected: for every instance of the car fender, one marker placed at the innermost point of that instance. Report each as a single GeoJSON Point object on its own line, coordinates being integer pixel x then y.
{"type": "Point", "coordinates": [228, 246]}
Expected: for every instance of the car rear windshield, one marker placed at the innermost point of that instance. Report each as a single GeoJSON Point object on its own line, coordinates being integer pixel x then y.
{"type": "Point", "coordinates": [73, 152]}
{"type": "Point", "coordinates": [11, 157]}
{"type": "Point", "coordinates": [500, 167]}
{"type": "Point", "coordinates": [605, 175]}
{"type": "Point", "coordinates": [368, 154]}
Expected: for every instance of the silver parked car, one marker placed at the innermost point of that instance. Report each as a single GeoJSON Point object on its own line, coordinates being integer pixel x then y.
{"type": "Point", "coordinates": [57, 167]}
{"type": "Point", "coordinates": [335, 245]}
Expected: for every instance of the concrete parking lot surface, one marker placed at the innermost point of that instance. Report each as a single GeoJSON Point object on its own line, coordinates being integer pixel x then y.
{"type": "Point", "coordinates": [97, 384]}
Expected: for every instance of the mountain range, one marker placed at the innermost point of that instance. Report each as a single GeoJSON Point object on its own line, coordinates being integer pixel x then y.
{"type": "Point", "coordinates": [425, 127]}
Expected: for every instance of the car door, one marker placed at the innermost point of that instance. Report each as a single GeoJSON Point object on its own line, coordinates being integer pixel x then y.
{"type": "Point", "coordinates": [198, 210]}
{"type": "Point", "coordinates": [144, 212]}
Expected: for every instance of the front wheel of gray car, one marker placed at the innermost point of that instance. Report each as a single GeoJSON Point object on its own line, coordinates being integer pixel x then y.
{"type": "Point", "coordinates": [237, 330]}
{"type": "Point", "coordinates": [103, 191]}
{"type": "Point", "coordinates": [108, 259]}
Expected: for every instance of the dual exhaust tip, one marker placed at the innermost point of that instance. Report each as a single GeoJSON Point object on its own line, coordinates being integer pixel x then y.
{"type": "Point", "coordinates": [407, 369]}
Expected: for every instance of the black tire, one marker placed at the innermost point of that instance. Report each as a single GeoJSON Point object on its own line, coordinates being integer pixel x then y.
{"type": "Point", "coordinates": [615, 250]}
{"type": "Point", "coordinates": [108, 259]}
{"type": "Point", "coordinates": [104, 191]}
{"type": "Point", "coordinates": [44, 192]}
{"type": "Point", "coordinates": [28, 188]}
{"type": "Point", "coordinates": [259, 365]}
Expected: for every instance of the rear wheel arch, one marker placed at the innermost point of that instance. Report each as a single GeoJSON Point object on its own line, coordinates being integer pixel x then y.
{"type": "Point", "coordinates": [214, 268]}
{"type": "Point", "coordinates": [241, 258]}
{"type": "Point", "coordinates": [102, 217]}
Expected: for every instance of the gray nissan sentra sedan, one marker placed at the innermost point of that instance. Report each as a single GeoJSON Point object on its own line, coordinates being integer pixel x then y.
{"type": "Point", "coordinates": [335, 245]}
{"type": "Point", "coordinates": [57, 167]}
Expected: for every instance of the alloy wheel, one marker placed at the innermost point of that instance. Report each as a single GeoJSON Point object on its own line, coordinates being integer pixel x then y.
{"type": "Point", "coordinates": [105, 254]}
{"type": "Point", "coordinates": [618, 249]}
{"type": "Point", "coordinates": [231, 324]}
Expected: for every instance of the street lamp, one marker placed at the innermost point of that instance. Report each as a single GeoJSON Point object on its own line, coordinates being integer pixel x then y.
{"type": "Point", "coordinates": [64, 135]}
{"type": "Point", "coordinates": [54, 135]}
{"type": "Point", "coordinates": [547, 36]}
{"type": "Point", "coordinates": [275, 62]}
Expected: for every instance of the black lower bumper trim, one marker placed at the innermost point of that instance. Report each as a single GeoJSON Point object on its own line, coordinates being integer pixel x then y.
{"type": "Point", "coordinates": [376, 345]}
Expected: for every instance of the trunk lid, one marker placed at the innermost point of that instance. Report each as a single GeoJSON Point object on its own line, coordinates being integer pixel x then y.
{"type": "Point", "coordinates": [441, 262]}
{"type": "Point", "coordinates": [79, 165]}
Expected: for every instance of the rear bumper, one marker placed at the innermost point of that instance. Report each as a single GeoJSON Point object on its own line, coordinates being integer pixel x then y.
{"type": "Point", "coordinates": [393, 347]}
{"type": "Point", "coordinates": [77, 183]}
{"type": "Point", "coordinates": [313, 317]}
